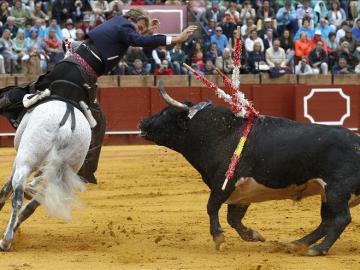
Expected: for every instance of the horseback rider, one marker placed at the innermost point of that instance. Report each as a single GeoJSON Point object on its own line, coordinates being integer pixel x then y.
{"type": "Point", "coordinates": [96, 56]}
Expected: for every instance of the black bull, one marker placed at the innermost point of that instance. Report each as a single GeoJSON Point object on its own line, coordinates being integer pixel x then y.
{"type": "Point", "coordinates": [282, 159]}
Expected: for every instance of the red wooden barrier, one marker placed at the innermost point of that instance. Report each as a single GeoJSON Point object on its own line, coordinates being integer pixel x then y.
{"type": "Point", "coordinates": [126, 106]}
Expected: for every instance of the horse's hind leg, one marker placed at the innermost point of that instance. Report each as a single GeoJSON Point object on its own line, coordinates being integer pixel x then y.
{"type": "Point", "coordinates": [26, 212]}
{"type": "Point", "coordinates": [18, 182]}
{"type": "Point", "coordinates": [5, 193]}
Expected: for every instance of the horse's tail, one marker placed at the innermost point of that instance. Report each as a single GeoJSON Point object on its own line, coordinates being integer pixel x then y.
{"type": "Point", "coordinates": [59, 178]}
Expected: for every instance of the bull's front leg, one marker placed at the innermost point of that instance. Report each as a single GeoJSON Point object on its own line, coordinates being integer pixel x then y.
{"type": "Point", "coordinates": [216, 199]}
{"type": "Point", "coordinates": [234, 216]}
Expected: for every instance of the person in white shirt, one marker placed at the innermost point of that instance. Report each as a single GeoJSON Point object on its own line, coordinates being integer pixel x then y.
{"type": "Point", "coordinates": [69, 31]}
{"type": "Point", "coordinates": [249, 42]}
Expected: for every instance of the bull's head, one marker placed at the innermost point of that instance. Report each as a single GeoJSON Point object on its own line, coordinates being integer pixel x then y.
{"type": "Point", "coordinates": [168, 127]}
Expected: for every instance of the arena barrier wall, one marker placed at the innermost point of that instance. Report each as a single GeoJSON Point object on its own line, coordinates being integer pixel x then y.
{"type": "Point", "coordinates": [128, 99]}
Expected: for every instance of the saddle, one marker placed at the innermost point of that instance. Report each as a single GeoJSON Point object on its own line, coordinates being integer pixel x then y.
{"type": "Point", "coordinates": [65, 91]}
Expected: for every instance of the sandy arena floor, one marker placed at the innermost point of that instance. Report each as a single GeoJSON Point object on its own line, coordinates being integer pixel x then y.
{"type": "Point", "coordinates": [149, 212]}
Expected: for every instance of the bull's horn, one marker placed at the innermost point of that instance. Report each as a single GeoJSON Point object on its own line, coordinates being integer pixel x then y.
{"type": "Point", "coordinates": [169, 100]}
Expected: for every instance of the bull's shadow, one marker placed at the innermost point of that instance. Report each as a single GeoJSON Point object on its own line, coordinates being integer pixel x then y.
{"type": "Point", "coordinates": [282, 159]}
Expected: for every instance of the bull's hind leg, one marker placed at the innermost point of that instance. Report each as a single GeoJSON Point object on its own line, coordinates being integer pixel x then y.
{"type": "Point", "coordinates": [339, 218]}
{"type": "Point", "coordinates": [18, 182]}
{"type": "Point", "coordinates": [234, 216]}
{"type": "Point", "coordinates": [315, 235]}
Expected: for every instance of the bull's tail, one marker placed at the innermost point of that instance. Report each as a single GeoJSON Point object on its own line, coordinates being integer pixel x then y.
{"type": "Point", "coordinates": [59, 180]}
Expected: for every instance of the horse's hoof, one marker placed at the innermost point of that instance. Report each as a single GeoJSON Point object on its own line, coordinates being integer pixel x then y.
{"type": "Point", "coordinates": [4, 245]}
{"type": "Point", "coordinates": [315, 251]}
{"type": "Point", "coordinates": [257, 237]}
{"type": "Point", "coordinates": [219, 240]}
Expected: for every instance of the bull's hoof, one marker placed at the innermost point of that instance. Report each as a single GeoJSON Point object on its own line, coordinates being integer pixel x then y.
{"type": "Point", "coordinates": [297, 247]}
{"type": "Point", "coordinates": [219, 241]}
{"type": "Point", "coordinates": [251, 236]}
{"type": "Point", "coordinates": [4, 245]}
{"type": "Point", "coordinates": [315, 251]}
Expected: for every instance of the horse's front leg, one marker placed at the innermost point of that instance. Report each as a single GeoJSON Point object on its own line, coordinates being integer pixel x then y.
{"type": "Point", "coordinates": [18, 182]}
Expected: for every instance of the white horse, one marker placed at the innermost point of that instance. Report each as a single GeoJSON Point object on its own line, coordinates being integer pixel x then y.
{"type": "Point", "coordinates": [52, 140]}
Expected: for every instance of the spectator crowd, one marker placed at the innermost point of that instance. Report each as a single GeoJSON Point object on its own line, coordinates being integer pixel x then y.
{"type": "Point", "coordinates": [278, 36]}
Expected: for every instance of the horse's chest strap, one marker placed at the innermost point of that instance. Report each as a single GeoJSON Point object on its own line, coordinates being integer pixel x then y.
{"type": "Point", "coordinates": [69, 111]}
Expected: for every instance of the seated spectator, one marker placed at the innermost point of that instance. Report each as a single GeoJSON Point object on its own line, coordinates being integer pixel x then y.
{"type": "Point", "coordinates": [189, 47]}
{"type": "Point", "coordinates": [198, 56]}
{"type": "Point", "coordinates": [318, 59]}
{"type": "Point", "coordinates": [160, 54]}
{"type": "Point", "coordinates": [62, 10]}
{"type": "Point", "coordinates": [305, 11]}
{"type": "Point", "coordinates": [38, 13]}
{"type": "Point", "coordinates": [4, 12]}
{"type": "Point", "coordinates": [356, 30]}
{"type": "Point", "coordinates": [6, 50]}
{"type": "Point", "coordinates": [20, 13]}
{"type": "Point", "coordinates": [219, 39]}
{"type": "Point", "coordinates": [235, 14]}
{"type": "Point", "coordinates": [267, 26]}
{"type": "Point", "coordinates": [54, 26]}
{"type": "Point", "coordinates": [134, 53]}
{"type": "Point", "coordinates": [228, 26]}
{"type": "Point", "coordinates": [316, 38]}
{"type": "Point", "coordinates": [138, 68]}
{"type": "Point", "coordinates": [256, 59]}
{"type": "Point", "coordinates": [344, 52]}
{"type": "Point", "coordinates": [197, 69]}
{"type": "Point", "coordinates": [249, 42]}
{"type": "Point", "coordinates": [354, 9]}
{"type": "Point", "coordinates": [101, 5]}
{"type": "Point", "coordinates": [10, 25]}
{"type": "Point", "coordinates": [69, 31]}
{"type": "Point", "coordinates": [320, 11]}
{"type": "Point", "coordinates": [286, 18]}
{"type": "Point", "coordinates": [349, 38]}
{"type": "Point", "coordinates": [305, 28]}
{"type": "Point", "coordinates": [79, 35]}
{"type": "Point", "coordinates": [122, 68]}
{"type": "Point", "coordinates": [275, 55]}
{"type": "Point", "coordinates": [332, 49]}
{"type": "Point", "coordinates": [41, 31]}
{"type": "Point", "coordinates": [324, 28]}
{"type": "Point", "coordinates": [225, 62]}
{"type": "Point", "coordinates": [35, 57]}
{"type": "Point", "coordinates": [19, 45]}
{"type": "Point", "coordinates": [85, 25]}
{"type": "Point", "coordinates": [212, 54]}
{"type": "Point", "coordinates": [303, 67]}
{"type": "Point", "coordinates": [209, 68]}
{"type": "Point", "coordinates": [265, 12]}
{"type": "Point", "coordinates": [198, 7]}
{"type": "Point", "coordinates": [268, 40]}
{"type": "Point", "coordinates": [247, 12]}
{"type": "Point", "coordinates": [286, 42]}
{"type": "Point", "coordinates": [247, 28]}
{"type": "Point", "coordinates": [213, 13]}
{"type": "Point", "coordinates": [342, 67]}
{"type": "Point", "coordinates": [336, 14]}
{"type": "Point", "coordinates": [341, 32]}
{"type": "Point", "coordinates": [53, 47]}
{"type": "Point", "coordinates": [164, 69]}
{"type": "Point", "coordinates": [78, 12]}
{"type": "Point", "coordinates": [208, 32]}
{"type": "Point", "coordinates": [178, 58]}
{"type": "Point", "coordinates": [302, 46]}
{"type": "Point", "coordinates": [97, 18]}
